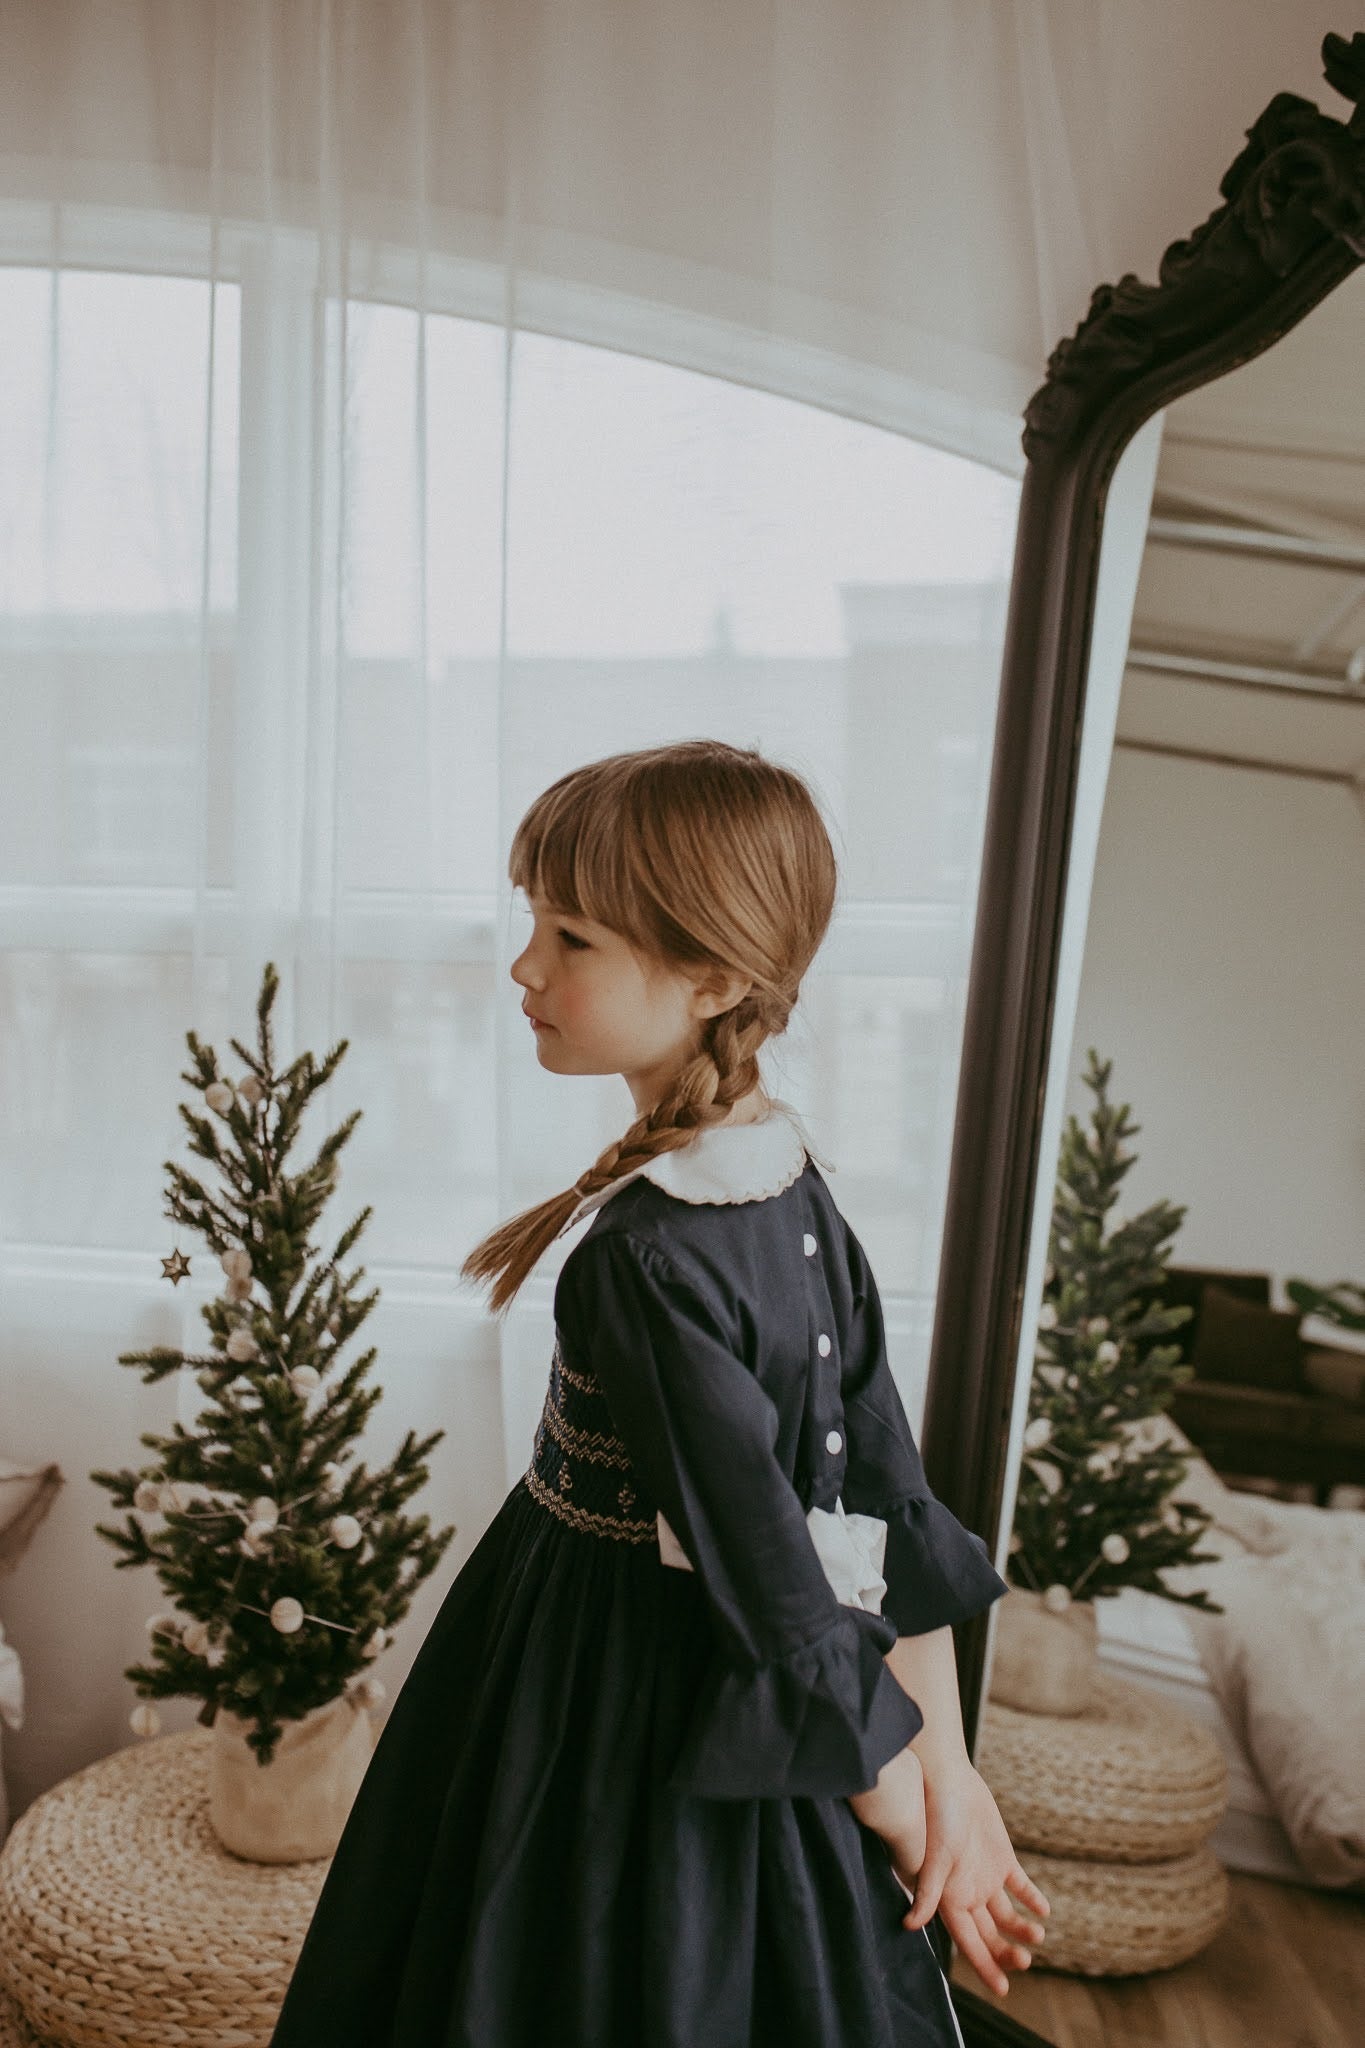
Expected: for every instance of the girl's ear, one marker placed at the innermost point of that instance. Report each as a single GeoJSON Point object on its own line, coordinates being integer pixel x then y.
{"type": "Point", "coordinates": [717, 989]}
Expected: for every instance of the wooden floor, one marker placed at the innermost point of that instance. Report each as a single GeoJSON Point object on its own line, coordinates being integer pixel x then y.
{"type": "Point", "coordinates": [1287, 1970]}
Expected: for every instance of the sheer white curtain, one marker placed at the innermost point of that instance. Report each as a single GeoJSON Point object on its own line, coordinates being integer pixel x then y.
{"type": "Point", "coordinates": [401, 403]}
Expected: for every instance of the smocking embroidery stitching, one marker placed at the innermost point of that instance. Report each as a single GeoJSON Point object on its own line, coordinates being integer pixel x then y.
{"type": "Point", "coordinates": [583, 1520]}
{"type": "Point", "coordinates": [575, 1379]}
{"type": "Point", "coordinates": [593, 1444]}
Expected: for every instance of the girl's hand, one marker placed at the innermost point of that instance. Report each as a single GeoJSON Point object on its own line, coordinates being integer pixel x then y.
{"type": "Point", "coordinates": [971, 1877]}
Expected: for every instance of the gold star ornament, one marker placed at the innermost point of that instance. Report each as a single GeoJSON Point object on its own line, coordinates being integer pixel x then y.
{"type": "Point", "coordinates": [176, 1268]}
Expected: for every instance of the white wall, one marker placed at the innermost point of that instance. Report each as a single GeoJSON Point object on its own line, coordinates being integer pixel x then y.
{"type": "Point", "coordinates": [1224, 973]}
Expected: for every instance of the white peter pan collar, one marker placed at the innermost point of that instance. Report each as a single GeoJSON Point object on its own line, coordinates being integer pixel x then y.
{"type": "Point", "coordinates": [725, 1163]}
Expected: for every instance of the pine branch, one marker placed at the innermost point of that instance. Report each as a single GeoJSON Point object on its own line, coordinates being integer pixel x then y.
{"type": "Point", "coordinates": [351, 1233]}
{"type": "Point", "coordinates": [159, 1362]}
{"type": "Point", "coordinates": [251, 1061]}
{"type": "Point", "coordinates": [265, 1003]}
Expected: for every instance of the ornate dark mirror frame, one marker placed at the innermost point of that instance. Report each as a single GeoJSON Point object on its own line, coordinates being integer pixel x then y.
{"type": "Point", "coordinates": [1292, 228]}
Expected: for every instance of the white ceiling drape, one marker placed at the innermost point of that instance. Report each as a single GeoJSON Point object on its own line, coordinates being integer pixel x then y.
{"type": "Point", "coordinates": [894, 188]}
{"type": "Point", "coordinates": [402, 401]}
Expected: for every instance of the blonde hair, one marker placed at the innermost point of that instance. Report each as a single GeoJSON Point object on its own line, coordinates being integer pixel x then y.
{"type": "Point", "coordinates": [698, 854]}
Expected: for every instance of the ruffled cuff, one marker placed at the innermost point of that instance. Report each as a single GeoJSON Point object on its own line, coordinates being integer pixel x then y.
{"type": "Point", "coordinates": [818, 1723]}
{"type": "Point", "coordinates": [936, 1571]}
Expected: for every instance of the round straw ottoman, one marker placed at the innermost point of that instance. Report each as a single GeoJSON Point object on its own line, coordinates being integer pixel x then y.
{"type": "Point", "coordinates": [1127, 1919]}
{"type": "Point", "coordinates": [124, 1923]}
{"type": "Point", "coordinates": [1110, 1812]}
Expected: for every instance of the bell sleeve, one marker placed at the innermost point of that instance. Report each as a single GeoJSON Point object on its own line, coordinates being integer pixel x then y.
{"type": "Point", "coordinates": [937, 1572]}
{"type": "Point", "coordinates": [797, 1700]}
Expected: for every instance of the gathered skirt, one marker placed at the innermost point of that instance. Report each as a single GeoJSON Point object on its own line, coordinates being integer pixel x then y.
{"type": "Point", "coordinates": [516, 1871]}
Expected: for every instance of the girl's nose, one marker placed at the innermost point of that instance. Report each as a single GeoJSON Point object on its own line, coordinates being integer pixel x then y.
{"type": "Point", "coordinates": [523, 970]}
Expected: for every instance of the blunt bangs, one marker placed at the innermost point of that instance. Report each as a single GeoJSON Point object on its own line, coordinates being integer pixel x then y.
{"type": "Point", "coordinates": [582, 856]}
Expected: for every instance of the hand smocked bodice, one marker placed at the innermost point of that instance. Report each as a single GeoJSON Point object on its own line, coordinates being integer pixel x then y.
{"type": "Point", "coordinates": [580, 1469]}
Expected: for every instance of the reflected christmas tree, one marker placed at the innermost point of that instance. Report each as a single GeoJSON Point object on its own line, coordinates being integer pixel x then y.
{"type": "Point", "coordinates": [1096, 1509]}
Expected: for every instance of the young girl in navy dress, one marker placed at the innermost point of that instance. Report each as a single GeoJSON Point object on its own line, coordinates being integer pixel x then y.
{"type": "Point", "coordinates": [683, 1742]}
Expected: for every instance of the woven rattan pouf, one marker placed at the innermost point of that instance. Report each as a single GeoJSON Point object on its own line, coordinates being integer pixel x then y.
{"type": "Point", "coordinates": [124, 1923]}
{"type": "Point", "coordinates": [1110, 1812]}
{"type": "Point", "coordinates": [1127, 1919]}
{"type": "Point", "coordinates": [1132, 1780]}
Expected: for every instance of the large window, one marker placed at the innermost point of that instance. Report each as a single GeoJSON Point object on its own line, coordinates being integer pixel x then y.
{"type": "Point", "coordinates": [302, 598]}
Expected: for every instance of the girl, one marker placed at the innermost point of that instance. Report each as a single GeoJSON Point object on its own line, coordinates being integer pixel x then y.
{"type": "Point", "coordinates": [684, 1737]}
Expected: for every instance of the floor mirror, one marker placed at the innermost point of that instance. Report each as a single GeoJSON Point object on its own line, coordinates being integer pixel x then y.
{"type": "Point", "coordinates": [1284, 241]}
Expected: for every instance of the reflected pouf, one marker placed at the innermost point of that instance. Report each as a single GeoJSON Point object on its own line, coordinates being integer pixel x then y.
{"type": "Point", "coordinates": [1126, 1919]}
{"type": "Point", "coordinates": [1110, 1813]}
{"type": "Point", "coordinates": [1132, 1780]}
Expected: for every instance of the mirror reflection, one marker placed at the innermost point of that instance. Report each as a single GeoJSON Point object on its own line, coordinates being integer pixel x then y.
{"type": "Point", "coordinates": [1179, 1743]}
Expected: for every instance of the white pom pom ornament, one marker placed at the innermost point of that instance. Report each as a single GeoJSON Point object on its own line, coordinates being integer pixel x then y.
{"type": "Point", "coordinates": [264, 1509]}
{"type": "Point", "coordinates": [304, 1379]}
{"type": "Point", "coordinates": [287, 1615]}
{"type": "Point", "coordinates": [195, 1637]}
{"type": "Point", "coordinates": [345, 1531]}
{"type": "Point", "coordinates": [218, 1095]}
{"type": "Point", "coordinates": [241, 1346]}
{"type": "Point", "coordinates": [251, 1090]}
{"type": "Point", "coordinates": [147, 1498]}
{"type": "Point", "coordinates": [1057, 1599]}
{"type": "Point", "coordinates": [144, 1720]}
{"type": "Point", "coordinates": [1047, 1475]}
{"type": "Point", "coordinates": [236, 1263]}
{"type": "Point", "coordinates": [1114, 1549]}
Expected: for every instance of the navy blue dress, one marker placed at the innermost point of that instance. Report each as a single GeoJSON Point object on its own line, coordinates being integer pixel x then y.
{"type": "Point", "coordinates": [608, 1808]}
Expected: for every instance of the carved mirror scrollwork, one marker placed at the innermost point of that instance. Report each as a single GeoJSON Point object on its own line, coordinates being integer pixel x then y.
{"type": "Point", "coordinates": [1290, 229]}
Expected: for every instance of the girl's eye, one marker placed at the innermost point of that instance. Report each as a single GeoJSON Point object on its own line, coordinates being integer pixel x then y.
{"type": "Point", "coordinates": [572, 939]}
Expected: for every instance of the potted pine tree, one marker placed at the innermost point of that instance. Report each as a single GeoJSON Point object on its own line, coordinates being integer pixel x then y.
{"type": "Point", "coordinates": [1096, 1506]}
{"type": "Point", "coordinates": [289, 1563]}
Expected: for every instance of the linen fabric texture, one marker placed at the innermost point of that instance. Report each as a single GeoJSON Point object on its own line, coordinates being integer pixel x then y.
{"type": "Point", "coordinates": [608, 1808]}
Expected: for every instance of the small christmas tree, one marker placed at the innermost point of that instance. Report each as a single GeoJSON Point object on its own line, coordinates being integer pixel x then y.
{"type": "Point", "coordinates": [290, 1565]}
{"type": "Point", "coordinates": [1095, 1509]}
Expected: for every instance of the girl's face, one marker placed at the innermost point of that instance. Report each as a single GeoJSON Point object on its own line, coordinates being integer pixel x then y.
{"type": "Point", "coordinates": [597, 1006]}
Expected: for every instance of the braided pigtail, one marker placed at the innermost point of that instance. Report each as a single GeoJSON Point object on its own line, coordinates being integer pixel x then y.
{"type": "Point", "coordinates": [703, 1093]}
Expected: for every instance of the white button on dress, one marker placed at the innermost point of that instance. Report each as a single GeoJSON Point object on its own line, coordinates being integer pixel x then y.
{"type": "Point", "coordinates": [808, 1245]}
{"type": "Point", "coordinates": [822, 1345]}
{"type": "Point", "coordinates": [834, 1442]}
